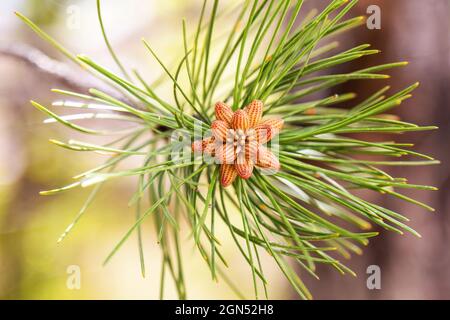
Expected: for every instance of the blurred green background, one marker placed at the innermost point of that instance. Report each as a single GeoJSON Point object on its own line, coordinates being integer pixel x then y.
{"type": "Point", "coordinates": [34, 266]}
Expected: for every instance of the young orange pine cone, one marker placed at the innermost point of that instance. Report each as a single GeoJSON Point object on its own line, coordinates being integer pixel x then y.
{"type": "Point", "coordinates": [237, 141]}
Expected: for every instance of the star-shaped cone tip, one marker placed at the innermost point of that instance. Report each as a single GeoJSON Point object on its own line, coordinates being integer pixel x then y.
{"type": "Point", "coordinates": [244, 168]}
{"type": "Point", "coordinates": [254, 111]}
{"type": "Point", "coordinates": [264, 133]}
{"type": "Point", "coordinates": [223, 112]}
{"type": "Point", "coordinates": [237, 141]}
{"type": "Point", "coordinates": [219, 130]}
{"type": "Point", "coordinates": [240, 120]}
{"type": "Point", "coordinates": [227, 174]}
{"type": "Point", "coordinates": [266, 159]}
{"type": "Point", "coordinates": [276, 123]}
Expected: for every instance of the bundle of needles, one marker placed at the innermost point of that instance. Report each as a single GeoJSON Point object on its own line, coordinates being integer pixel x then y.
{"type": "Point", "coordinates": [256, 53]}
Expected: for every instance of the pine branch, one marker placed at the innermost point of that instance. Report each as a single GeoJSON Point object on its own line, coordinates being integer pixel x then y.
{"type": "Point", "coordinates": [301, 212]}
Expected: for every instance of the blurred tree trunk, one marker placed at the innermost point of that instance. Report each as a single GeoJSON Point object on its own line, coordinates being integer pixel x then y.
{"type": "Point", "coordinates": [411, 268]}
